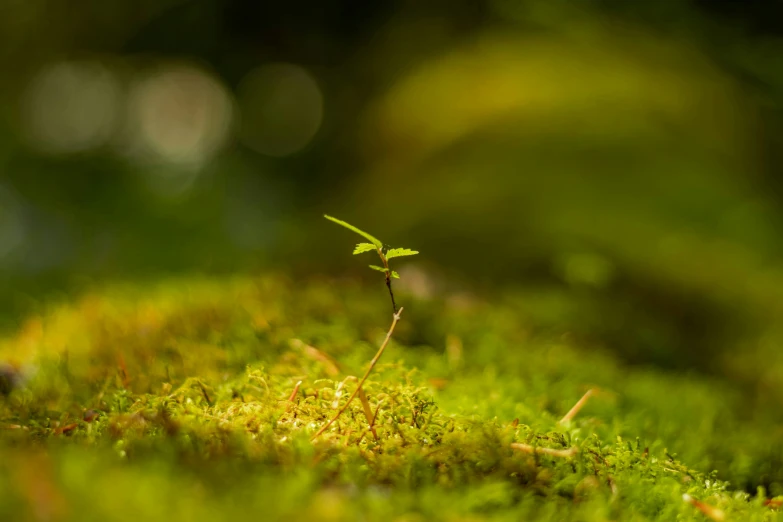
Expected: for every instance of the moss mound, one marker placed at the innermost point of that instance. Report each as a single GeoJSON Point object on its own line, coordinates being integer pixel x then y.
{"type": "Point", "coordinates": [196, 399]}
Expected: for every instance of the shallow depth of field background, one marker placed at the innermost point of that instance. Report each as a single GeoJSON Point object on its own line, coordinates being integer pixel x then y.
{"type": "Point", "coordinates": [617, 163]}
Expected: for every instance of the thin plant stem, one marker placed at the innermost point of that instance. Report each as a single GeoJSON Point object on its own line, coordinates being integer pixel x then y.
{"type": "Point", "coordinates": [366, 374]}
{"type": "Point", "coordinates": [391, 294]}
{"type": "Point", "coordinates": [388, 279]}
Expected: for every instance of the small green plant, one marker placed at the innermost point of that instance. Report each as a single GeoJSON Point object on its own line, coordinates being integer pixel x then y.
{"type": "Point", "coordinates": [385, 252]}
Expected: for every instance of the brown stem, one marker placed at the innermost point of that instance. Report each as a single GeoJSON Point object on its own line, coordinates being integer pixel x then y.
{"type": "Point", "coordinates": [366, 374]}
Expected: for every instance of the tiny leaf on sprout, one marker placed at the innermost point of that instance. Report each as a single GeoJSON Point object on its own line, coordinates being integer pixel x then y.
{"type": "Point", "coordinates": [361, 248]}
{"type": "Point", "coordinates": [399, 252]}
{"type": "Point", "coordinates": [385, 252]}
{"type": "Point", "coordinates": [362, 233]}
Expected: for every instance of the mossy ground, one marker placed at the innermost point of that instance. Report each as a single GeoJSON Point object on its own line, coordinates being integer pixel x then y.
{"type": "Point", "coordinates": [171, 402]}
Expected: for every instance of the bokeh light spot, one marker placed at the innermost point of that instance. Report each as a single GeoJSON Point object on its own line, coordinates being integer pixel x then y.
{"type": "Point", "coordinates": [70, 107]}
{"type": "Point", "coordinates": [179, 115]}
{"type": "Point", "coordinates": [282, 109]}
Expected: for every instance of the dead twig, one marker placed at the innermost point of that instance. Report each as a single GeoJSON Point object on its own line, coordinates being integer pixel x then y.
{"type": "Point", "coordinates": [562, 453]}
{"type": "Point", "coordinates": [578, 406]}
{"type": "Point", "coordinates": [366, 374]}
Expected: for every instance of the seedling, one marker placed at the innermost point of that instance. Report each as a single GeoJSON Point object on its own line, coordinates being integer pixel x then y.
{"type": "Point", "coordinates": [385, 252]}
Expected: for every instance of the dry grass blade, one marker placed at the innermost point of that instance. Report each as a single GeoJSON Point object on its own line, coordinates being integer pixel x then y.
{"type": "Point", "coordinates": [578, 406]}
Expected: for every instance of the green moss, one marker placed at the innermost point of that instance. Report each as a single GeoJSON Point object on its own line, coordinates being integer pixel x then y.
{"type": "Point", "coordinates": [172, 403]}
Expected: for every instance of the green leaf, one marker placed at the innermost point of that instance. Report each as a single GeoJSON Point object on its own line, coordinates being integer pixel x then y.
{"type": "Point", "coordinates": [394, 274]}
{"type": "Point", "coordinates": [399, 252]}
{"type": "Point", "coordinates": [362, 233]}
{"type": "Point", "coordinates": [361, 248]}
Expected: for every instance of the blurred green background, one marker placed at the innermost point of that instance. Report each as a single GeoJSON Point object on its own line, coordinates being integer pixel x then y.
{"type": "Point", "coordinates": [614, 166]}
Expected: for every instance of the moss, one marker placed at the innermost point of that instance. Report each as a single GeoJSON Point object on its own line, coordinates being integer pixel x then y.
{"type": "Point", "coordinates": [174, 402]}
